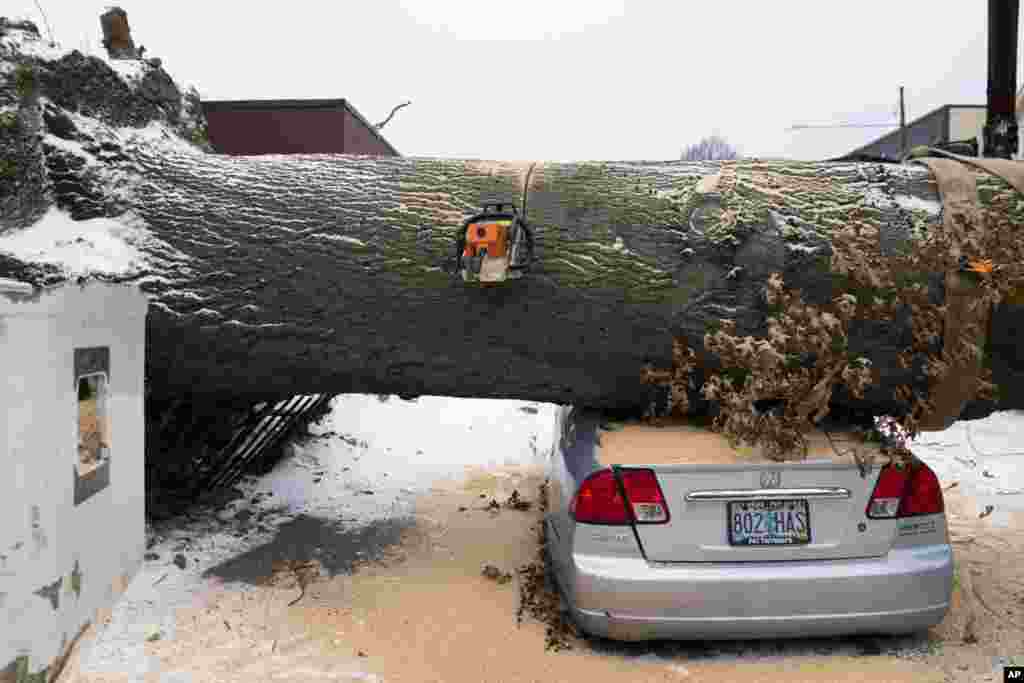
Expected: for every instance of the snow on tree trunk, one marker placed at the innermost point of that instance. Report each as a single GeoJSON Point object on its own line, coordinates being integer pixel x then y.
{"type": "Point", "coordinates": [273, 276]}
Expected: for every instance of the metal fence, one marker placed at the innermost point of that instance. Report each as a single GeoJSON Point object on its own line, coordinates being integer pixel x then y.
{"type": "Point", "coordinates": [261, 430]}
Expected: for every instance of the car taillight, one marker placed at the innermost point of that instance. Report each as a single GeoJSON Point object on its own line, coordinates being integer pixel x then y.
{"type": "Point", "coordinates": [600, 501]}
{"type": "Point", "coordinates": [905, 492]}
{"type": "Point", "coordinates": [924, 494]}
{"type": "Point", "coordinates": [644, 495]}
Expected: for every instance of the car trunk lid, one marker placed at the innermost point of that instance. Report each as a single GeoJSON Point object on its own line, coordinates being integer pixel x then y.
{"type": "Point", "coordinates": [719, 498]}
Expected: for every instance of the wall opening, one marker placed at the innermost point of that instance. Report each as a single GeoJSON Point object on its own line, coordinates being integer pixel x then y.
{"type": "Point", "coordinates": [93, 452]}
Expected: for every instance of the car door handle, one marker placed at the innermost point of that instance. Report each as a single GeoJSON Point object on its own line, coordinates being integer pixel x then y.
{"type": "Point", "coordinates": [766, 494]}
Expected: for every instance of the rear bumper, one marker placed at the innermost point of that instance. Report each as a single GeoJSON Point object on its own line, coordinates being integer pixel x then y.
{"type": "Point", "coordinates": [631, 599]}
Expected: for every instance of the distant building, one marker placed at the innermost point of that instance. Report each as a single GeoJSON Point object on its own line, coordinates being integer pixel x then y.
{"type": "Point", "coordinates": [956, 127]}
{"type": "Point", "coordinates": [947, 124]}
{"type": "Point", "coordinates": [292, 127]}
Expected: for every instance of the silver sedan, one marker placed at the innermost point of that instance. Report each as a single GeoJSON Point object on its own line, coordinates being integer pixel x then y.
{"type": "Point", "coordinates": [668, 533]}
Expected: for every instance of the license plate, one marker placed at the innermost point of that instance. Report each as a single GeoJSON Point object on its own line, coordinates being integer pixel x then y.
{"type": "Point", "coordinates": [769, 522]}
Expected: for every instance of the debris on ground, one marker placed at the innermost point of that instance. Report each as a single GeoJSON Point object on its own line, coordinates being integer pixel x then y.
{"type": "Point", "coordinates": [352, 441]}
{"type": "Point", "coordinates": [304, 572]}
{"type": "Point", "coordinates": [494, 505]}
{"type": "Point", "coordinates": [495, 574]}
{"type": "Point", "coordinates": [539, 598]}
{"type": "Point", "coordinates": [180, 562]}
{"type": "Point", "coordinates": [149, 557]}
{"type": "Point", "coordinates": [514, 502]}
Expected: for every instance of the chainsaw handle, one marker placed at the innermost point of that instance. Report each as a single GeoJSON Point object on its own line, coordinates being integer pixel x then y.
{"type": "Point", "coordinates": [460, 246]}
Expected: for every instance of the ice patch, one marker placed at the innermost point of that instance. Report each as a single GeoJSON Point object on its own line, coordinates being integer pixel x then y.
{"type": "Point", "coordinates": [183, 294]}
{"type": "Point", "coordinates": [802, 248]}
{"type": "Point", "coordinates": [239, 323]}
{"type": "Point", "coordinates": [343, 238]}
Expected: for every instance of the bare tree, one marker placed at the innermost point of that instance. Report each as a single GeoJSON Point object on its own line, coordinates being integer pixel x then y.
{"type": "Point", "coordinates": [711, 148]}
{"type": "Point", "coordinates": [385, 121]}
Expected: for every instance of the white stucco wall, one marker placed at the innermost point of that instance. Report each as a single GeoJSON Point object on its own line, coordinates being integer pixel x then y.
{"type": "Point", "coordinates": [44, 535]}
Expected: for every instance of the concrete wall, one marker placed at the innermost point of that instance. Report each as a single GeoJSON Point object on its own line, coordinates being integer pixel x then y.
{"type": "Point", "coordinates": [69, 543]}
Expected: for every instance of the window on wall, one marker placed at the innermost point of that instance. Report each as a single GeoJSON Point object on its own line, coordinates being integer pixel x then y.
{"type": "Point", "coordinates": [92, 387]}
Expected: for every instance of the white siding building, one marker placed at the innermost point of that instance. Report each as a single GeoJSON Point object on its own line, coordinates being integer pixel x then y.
{"type": "Point", "coordinates": [72, 500]}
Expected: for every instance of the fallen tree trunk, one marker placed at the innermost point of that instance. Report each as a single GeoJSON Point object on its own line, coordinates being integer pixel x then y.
{"type": "Point", "coordinates": [274, 276]}
{"type": "Point", "coordinates": [328, 274]}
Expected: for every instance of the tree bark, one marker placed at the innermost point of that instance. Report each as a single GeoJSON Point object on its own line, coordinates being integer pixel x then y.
{"type": "Point", "coordinates": [274, 276]}
{"type": "Point", "coordinates": [328, 274]}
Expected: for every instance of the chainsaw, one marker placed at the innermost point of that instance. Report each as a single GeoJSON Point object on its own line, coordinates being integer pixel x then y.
{"type": "Point", "coordinates": [496, 244]}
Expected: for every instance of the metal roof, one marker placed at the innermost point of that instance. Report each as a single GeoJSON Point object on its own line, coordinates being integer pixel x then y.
{"type": "Point", "coordinates": [911, 124]}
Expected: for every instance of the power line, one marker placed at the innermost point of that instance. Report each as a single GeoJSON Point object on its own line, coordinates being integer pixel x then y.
{"type": "Point", "coordinates": [800, 126]}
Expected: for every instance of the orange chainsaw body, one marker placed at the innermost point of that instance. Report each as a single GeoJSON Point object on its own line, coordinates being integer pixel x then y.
{"type": "Point", "coordinates": [490, 236]}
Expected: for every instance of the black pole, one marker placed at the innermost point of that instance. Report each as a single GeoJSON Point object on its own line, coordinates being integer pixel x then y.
{"type": "Point", "coordinates": [903, 127]}
{"type": "Point", "coordinates": [1000, 131]}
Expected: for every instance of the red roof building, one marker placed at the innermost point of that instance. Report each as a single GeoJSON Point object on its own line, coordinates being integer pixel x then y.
{"type": "Point", "coordinates": [292, 127]}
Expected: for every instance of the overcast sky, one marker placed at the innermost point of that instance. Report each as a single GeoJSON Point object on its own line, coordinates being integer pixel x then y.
{"type": "Point", "coordinates": [568, 79]}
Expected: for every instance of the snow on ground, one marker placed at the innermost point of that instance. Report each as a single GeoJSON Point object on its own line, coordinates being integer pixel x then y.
{"type": "Point", "coordinates": [348, 491]}
{"type": "Point", "coordinates": [97, 245]}
{"type": "Point", "coordinates": [985, 456]}
{"type": "Point", "coordinates": [26, 44]}
{"type": "Point", "coordinates": [131, 71]}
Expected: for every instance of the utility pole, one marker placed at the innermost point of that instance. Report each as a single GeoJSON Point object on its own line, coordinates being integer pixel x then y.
{"type": "Point", "coordinates": [903, 127]}
{"type": "Point", "coordinates": [1000, 132]}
